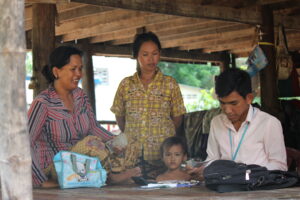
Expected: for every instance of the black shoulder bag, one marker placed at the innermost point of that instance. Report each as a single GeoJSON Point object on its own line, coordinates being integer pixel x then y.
{"type": "Point", "coordinates": [229, 176]}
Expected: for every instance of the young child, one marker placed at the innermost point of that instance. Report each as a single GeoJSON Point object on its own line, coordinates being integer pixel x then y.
{"type": "Point", "coordinates": [173, 152]}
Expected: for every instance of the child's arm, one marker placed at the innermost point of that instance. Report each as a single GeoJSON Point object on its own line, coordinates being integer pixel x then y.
{"type": "Point", "coordinates": [124, 176]}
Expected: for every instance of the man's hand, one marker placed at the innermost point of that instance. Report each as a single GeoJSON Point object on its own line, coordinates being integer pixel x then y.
{"type": "Point", "coordinates": [196, 172]}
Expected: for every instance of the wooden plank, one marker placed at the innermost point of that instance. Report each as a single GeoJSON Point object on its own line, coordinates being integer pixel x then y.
{"type": "Point", "coordinates": [225, 47]}
{"type": "Point", "coordinates": [134, 22]}
{"type": "Point", "coordinates": [114, 35]}
{"type": "Point", "coordinates": [133, 192]}
{"type": "Point", "coordinates": [168, 28]}
{"type": "Point", "coordinates": [197, 35]}
{"type": "Point", "coordinates": [82, 11]}
{"type": "Point", "coordinates": [220, 39]}
{"type": "Point", "coordinates": [85, 24]}
{"type": "Point", "coordinates": [166, 54]}
{"type": "Point", "coordinates": [47, 1]}
{"type": "Point", "coordinates": [267, 2]}
{"type": "Point", "coordinates": [186, 8]}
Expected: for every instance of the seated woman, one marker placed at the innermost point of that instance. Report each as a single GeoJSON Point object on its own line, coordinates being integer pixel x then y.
{"type": "Point", "coordinates": [61, 118]}
{"type": "Point", "coordinates": [174, 152]}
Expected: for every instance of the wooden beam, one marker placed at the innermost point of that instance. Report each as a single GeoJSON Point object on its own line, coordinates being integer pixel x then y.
{"type": "Point", "coordinates": [85, 24]}
{"type": "Point", "coordinates": [183, 8]}
{"type": "Point", "coordinates": [225, 47]}
{"type": "Point", "coordinates": [221, 39]}
{"type": "Point", "coordinates": [83, 11]}
{"type": "Point", "coordinates": [47, 1]}
{"type": "Point", "coordinates": [88, 84]}
{"type": "Point", "coordinates": [268, 75]}
{"type": "Point", "coordinates": [134, 22]}
{"type": "Point", "coordinates": [43, 42]}
{"type": "Point", "coordinates": [166, 55]}
{"type": "Point", "coordinates": [198, 35]}
{"type": "Point", "coordinates": [168, 28]}
{"type": "Point", "coordinates": [114, 35]}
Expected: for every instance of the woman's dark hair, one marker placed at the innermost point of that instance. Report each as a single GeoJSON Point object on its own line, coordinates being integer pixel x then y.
{"type": "Point", "coordinates": [139, 40]}
{"type": "Point", "coordinates": [171, 141]}
{"type": "Point", "coordinates": [233, 79]}
{"type": "Point", "coordinates": [59, 57]}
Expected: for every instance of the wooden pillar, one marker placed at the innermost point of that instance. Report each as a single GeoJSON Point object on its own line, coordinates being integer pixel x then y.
{"type": "Point", "coordinates": [233, 63]}
{"type": "Point", "coordinates": [268, 85]}
{"type": "Point", "coordinates": [88, 74]}
{"type": "Point", "coordinates": [43, 42]}
{"type": "Point", "coordinates": [15, 159]}
{"type": "Point", "coordinates": [226, 61]}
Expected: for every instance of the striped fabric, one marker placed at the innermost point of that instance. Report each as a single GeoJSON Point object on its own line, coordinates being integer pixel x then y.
{"type": "Point", "coordinates": [53, 128]}
{"type": "Point", "coordinates": [149, 113]}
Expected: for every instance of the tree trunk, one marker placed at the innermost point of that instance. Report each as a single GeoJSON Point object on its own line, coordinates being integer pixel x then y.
{"type": "Point", "coordinates": [15, 159]}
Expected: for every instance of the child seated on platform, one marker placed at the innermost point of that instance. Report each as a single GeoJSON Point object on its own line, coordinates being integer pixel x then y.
{"type": "Point", "coordinates": [173, 152]}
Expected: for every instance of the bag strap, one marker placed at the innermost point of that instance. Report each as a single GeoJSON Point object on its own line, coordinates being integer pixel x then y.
{"type": "Point", "coordinates": [74, 165]}
{"type": "Point", "coordinates": [284, 38]}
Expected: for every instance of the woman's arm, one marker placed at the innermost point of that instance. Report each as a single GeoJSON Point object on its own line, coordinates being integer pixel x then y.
{"type": "Point", "coordinates": [177, 121]}
{"type": "Point", "coordinates": [121, 122]}
{"type": "Point", "coordinates": [37, 115]}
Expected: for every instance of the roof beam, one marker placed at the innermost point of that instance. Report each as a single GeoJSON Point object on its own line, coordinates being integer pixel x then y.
{"type": "Point", "coordinates": [134, 22]}
{"type": "Point", "coordinates": [190, 37]}
{"type": "Point", "coordinates": [187, 8]}
{"type": "Point", "coordinates": [246, 34]}
{"type": "Point", "coordinates": [194, 8]}
{"type": "Point", "coordinates": [166, 54]}
{"type": "Point", "coordinates": [47, 1]}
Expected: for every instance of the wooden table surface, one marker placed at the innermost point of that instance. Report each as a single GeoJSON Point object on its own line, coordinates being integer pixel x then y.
{"type": "Point", "coordinates": [133, 192]}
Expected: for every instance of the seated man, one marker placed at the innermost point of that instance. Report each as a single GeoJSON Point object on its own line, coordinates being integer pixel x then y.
{"type": "Point", "coordinates": [243, 133]}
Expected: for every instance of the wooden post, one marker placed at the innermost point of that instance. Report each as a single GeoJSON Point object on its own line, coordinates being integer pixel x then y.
{"type": "Point", "coordinates": [226, 61]}
{"type": "Point", "coordinates": [88, 74]}
{"type": "Point", "coordinates": [15, 159]}
{"type": "Point", "coordinates": [233, 63]}
{"type": "Point", "coordinates": [43, 41]}
{"type": "Point", "coordinates": [268, 85]}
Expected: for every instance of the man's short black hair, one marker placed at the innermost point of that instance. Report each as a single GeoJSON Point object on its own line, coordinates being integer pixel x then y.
{"type": "Point", "coordinates": [233, 79]}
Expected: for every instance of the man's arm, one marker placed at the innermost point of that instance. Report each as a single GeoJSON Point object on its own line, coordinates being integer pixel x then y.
{"type": "Point", "coordinates": [212, 150]}
{"type": "Point", "coordinates": [274, 146]}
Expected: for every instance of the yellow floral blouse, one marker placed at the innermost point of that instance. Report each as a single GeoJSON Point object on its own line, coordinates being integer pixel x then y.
{"type": "Point", "coordinates": [148, 112]}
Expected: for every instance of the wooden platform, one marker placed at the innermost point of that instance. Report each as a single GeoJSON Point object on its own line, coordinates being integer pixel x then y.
{"type": "Point", "coordinates": [135, 193]}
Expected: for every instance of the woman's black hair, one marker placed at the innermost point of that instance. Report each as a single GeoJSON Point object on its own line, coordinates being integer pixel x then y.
{"type": "Point", "coordinates": [233, 79]}
{"type": "Point", "coordinates": [139, 40]}
{"type": "Point", "coordinates": [171, 141]}
{"type": "Point", "coordinates": [59, 57]}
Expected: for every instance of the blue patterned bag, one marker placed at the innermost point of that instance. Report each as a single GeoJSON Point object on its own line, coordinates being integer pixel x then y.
{"type": "Point", "coordinates": [76, 170]}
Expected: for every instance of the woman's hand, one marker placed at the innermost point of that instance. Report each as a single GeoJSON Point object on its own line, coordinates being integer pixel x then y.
{"type": "Point", "coordinates": [50, 184]}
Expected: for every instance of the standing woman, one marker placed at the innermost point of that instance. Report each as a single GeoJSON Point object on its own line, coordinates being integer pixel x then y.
{"type": "Point", "coordinates": [61, 118]}
{"type": "Point", "coordinates": [148, 105]}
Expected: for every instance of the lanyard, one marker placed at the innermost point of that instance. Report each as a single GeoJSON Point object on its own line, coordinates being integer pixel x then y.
{"type": "Point", "coordinates": [233, 156]}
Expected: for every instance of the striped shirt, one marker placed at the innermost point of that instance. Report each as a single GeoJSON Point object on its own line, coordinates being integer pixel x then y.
{"type": "Point", "coordinates": [148, 113]}
{"type": "Point", "coordinates": [53, 128]}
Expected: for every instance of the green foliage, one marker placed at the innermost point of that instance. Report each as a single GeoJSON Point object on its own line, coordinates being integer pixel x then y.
{"type": "Point", "coordinates": [205, 101]}
{"type": "Point", "coordinates": [196, 75]}
{"type": "Point", "coordinates": [28, 63]}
